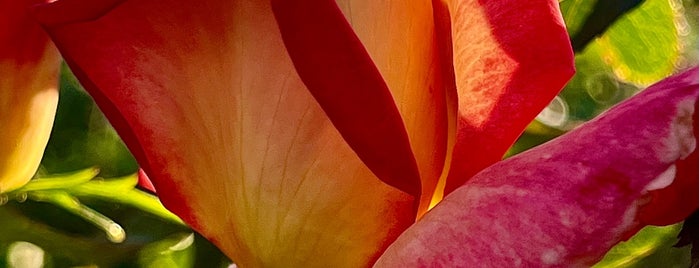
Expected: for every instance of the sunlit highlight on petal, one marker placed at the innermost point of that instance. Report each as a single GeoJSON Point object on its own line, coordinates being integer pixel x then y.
{"type": "Point", "coordinates": [29, 66]}
{"type": "Point", "coordinates": [511, 58]}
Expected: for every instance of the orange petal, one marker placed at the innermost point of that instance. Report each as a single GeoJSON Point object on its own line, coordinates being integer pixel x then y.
{"type": "Point", "coordinates": [208, 100]}
{"type": "Point", "coordinates": [400, 38]}
{"type": "Point", "coordinates": [567, 202]}
{"type": "Point", "coordinates": [337, 70]}
{"type": "Point", "coordinates": [510, 59]}
{"type": "Point", "coordinates": [29, 66]}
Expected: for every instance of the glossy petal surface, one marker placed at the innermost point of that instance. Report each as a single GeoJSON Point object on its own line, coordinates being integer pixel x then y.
{"type": "Point", "coordinates": [208, 100]}
{"type": "Point", "coordinates": [510, 60]}
{"type": "Point", "coordinates": [29, 66]}
{"type": "Point", "coordinates": [568, 201]}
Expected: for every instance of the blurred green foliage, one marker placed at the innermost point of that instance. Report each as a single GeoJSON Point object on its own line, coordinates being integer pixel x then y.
{"type": "Point", "coordinates": [82, 137]}
{"type": "Point", "coordinates": [76, 219]}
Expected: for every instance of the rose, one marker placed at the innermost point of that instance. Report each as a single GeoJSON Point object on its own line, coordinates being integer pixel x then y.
{"type": "Point", "coordinates": [213, 101]}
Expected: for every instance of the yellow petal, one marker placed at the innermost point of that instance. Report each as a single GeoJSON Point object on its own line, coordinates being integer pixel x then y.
{"type": "Point", "coordinates": [29, 66]}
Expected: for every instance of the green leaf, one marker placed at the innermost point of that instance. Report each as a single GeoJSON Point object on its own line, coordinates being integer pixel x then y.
{"type": "Point", "coordinates": [575, 12]}
{"type": "Point", "coordinates": [603, 14]}
{"type": "Point", "coordinates": [116, 193]}
{"type": "Point", "coordinates": [643, 46]}
{"type": "Point", "coordinates": [60, 181]}
{"type": "Point", "coordinates": [175, 251]}
{"type": "Point", "coordinates": [651, 247]}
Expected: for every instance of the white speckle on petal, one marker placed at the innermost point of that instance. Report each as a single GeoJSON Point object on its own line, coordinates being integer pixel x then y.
{"type": "Point", "coordinates": [663, 180]}
{"type": "Point", "coordinates": [521, 193]}
{"type": "Point", "coordinates": [629, 218]}
{"type": "Point", "coordinates": [680, 143]}
{"type": "Point", "coordinates": [517, 262]}
{"type": "Point", "coordinates": [565, 218]}
{"type": "Point", "coordinates": [550, 256]}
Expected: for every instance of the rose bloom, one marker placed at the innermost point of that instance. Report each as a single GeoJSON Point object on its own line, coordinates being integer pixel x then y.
{"type": "Point", "coordinates": [320, 133]}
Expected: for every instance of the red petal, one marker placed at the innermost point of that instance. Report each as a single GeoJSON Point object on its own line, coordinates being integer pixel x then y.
{"type": "Point", "coordinates": [29, 66]}
{"type": "Point", "coordinates": [400, 38]}
{"type": "Point", "coordinates": [208, 100]}
{"type": "Point", "coordinates": [566, 202]}
{"type": "Point", "coordinates": [144, 181]}
{"type": "Point", "coordinates": [510, 58]}
{"type": "Point", "coordinates": [338, 71]}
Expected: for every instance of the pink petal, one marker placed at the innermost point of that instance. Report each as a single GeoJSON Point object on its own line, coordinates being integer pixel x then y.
{"type": "Point", "coordinates": [567, 202]}
{"type": "Point", "coordinates": [29, 66]}
{"type": "Point", "coordinates": [676, 202]}
{"type": "Point", "coordinates": [510, 59]}
{"type": "Point", "coordinates": [206, 96]}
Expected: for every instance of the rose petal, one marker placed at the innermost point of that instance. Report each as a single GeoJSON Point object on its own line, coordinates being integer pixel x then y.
{"type": "Point", "coordinates": [677, 201]}
{"type": "Point", "coordinates": [29, 66]}
{"type": "Point", "coordinates": [400, 37]}
{"type": "Point", "coordinates": [564, 203]}
{"type": "Point", "coordinates": [145, 182]}
{"type": "Point", "coordinates": [337, 70]}
{"type": "Point", "coordinates": [208, 100]}
{"type": "Point", "coordinates": [510, 60]}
